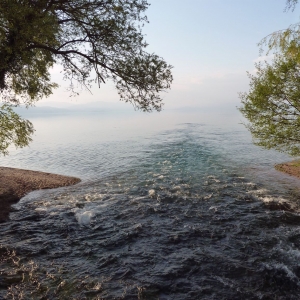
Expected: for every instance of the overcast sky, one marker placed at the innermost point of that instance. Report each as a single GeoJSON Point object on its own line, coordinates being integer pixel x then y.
{"type": "Point", "coordinates": [210, 43]}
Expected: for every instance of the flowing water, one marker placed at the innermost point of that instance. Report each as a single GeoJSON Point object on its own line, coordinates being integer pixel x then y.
{"type": "Point", "coordinates": [171, 206]}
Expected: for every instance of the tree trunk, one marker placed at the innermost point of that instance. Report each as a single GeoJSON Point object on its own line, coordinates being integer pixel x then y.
{"type": "Point", "coordinates": [2, 79]}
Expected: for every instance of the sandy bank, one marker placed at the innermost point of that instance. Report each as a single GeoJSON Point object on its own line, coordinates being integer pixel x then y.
{"type": "Point", "coordinates": [291, 168]}
{"type": "Point", "coordinates": [16, 183]}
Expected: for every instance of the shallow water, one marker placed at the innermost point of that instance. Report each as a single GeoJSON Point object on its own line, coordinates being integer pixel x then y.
{"type": "Point", "coordinates": [172, 206]}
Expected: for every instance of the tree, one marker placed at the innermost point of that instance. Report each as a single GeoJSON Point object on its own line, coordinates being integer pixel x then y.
{"type": "Point", "coordinates": [13, 129]}
{"type": "Point", "coordinates": [272, 105]}
{"type": "Point", "coordinates": [94, 40]}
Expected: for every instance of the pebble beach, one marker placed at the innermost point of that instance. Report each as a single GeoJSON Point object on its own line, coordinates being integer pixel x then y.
{"type": "Point", "coordinates": [16, 183]}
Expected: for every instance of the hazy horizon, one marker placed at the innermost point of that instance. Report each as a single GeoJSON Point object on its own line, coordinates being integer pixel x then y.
{"type": "Point", "coordinates": [210, 44]}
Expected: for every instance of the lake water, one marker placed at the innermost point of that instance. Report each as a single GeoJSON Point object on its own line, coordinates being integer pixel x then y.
{"type": "Point", "coordinates": [171, 206]}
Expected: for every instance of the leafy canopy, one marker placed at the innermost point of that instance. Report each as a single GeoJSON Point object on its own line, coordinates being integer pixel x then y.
{"type": "Point", "coordinates": [92, 39]}
{"type": "Point", "coordinates": [272, 105]}
{"type": "Point", "coordinates": [13, 129]}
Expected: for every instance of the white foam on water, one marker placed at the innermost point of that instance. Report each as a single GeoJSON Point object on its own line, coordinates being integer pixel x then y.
{"type": "Point", "coordinates": [98, 206]}
{"type": "Point", "coordinates": [262, 195]}
{"type": "Point", "coordinates": [211, 178]}
{"type": "Point", "coordinates": [283, 267]}
{"type": "Point", "coordinates": [41, 209]}
{"type": "Point", "coordinates": [294, 253]}
{"type": "Point", "coordinates": [151, 193]}
{"type": "Point", "coordinates": [138, 200]}
{"type": "Point", "coordinates": [94, 197]}
{"type": "Point", "coordinates": [258, 192]}
{"type": "Point", "coordinates": [138, 226]}
{"type": "Point", "coordinates": [84, 217]}
{"type": "Point", "coordinates": [208, 196]}
{"type": "Point", "coordinates": [185, 185]}
{"type": "Point", "coordinates": [225, 281]}
{"type": "Point", "coordinates": [51, 210]}
{"type": "Point", "coordinates": [47, 204]}
{"type": "Point", "coordinates": [267, 199]}
{"type": "Point", "coordinates": [214, 208]}
{"type": "Point", "coordinates": [176, 188]}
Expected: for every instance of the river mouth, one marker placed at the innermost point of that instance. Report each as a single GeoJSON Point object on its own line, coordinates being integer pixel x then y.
{"type": "Point", "coordinates": [185, 220]}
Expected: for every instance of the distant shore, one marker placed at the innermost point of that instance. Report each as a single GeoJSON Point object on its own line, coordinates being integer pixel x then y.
{"type": "Point", "coordinates": [292, 168]}
{"type": "Point", "coordinates": [16, 183]}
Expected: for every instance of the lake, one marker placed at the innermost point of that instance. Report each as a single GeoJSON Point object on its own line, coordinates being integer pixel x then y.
{"type": "Point", "coordinates": [175, 205]}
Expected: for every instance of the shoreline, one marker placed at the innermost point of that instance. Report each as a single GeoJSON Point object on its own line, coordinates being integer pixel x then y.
{"type": "Point", "coordinates": [16, 183]}
{"type": "Point", "coordinates": [291, 168]}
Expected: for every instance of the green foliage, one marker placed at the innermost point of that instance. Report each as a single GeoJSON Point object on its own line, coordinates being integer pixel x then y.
{"type": "Point", "coordinates": [13, 129]}
{"type": "Point", "coordinates": [272, 105]}
{"type": "Point", "coordinates": [285, 41]}
{"type": "Point", "coordinates": [92, 39]}
{"type": "Point", "coordinates": [24, 76]}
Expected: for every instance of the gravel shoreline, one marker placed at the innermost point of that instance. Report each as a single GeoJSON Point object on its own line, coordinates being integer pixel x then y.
{"type": "Point", "coordinates": [292, 168]}
{"type": "Point", "coordinates": [16, 183]}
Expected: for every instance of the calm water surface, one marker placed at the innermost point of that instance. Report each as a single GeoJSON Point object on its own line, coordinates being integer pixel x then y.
{"type": "Point", "coordinates": [171, 206]}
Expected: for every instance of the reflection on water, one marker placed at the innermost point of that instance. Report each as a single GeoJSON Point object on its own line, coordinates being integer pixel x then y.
{"type": "Point", "coordinates": [171, 207]}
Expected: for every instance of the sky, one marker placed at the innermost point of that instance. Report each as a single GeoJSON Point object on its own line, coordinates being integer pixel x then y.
{"type": "Point", "coordinates": [211, 44]}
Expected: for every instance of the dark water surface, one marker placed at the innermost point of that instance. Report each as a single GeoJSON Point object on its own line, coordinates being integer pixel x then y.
{"type": "Point", "coordinates": [179, 207]}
